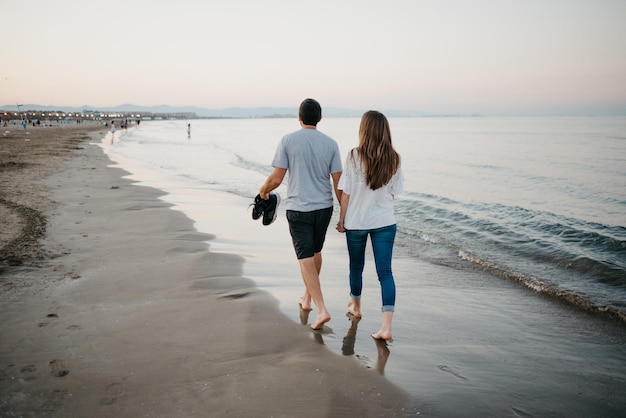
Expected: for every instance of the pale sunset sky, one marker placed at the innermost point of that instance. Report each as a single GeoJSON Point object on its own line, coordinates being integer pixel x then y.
{"type": "Point", "coordinates": [437, 56]}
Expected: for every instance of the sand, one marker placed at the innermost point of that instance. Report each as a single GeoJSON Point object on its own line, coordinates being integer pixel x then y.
{"type": "Point", "coordinates": [114, 305]}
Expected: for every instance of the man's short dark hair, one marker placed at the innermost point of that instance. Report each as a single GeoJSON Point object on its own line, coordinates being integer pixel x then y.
{"type": "Point", "coordinates": [310, 112]}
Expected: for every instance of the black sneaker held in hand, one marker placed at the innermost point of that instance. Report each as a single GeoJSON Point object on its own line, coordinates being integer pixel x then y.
{"type": "Point", "coordinates": [271, 209]}
{"type": "Point", "coordinates": [258, 207]}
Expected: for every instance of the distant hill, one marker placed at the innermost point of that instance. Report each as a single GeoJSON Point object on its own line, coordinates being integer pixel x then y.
{"type": "Point", "coordinates": [231, 112]}
{"type": "Point", "coordinates": [617, 109]}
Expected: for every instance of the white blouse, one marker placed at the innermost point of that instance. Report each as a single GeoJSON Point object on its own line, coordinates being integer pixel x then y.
{"type": "Point", "coordinates": [367, 208]}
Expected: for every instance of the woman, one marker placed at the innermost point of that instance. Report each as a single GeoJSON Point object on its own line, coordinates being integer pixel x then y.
{"type": "Point", "coordinates": [372, 177]}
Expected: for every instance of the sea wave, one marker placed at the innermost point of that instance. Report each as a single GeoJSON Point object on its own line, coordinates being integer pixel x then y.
{"type": "Point", "coordinates": [546, 289]}
{"type": "Point", "coordinates": [581, 262]}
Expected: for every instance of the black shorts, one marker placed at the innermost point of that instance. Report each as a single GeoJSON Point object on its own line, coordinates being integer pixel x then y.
{"type": "Point", "coordinates": [308, 230]}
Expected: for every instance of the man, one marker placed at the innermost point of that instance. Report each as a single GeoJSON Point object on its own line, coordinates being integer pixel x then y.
{"type": "Point", "coordinates": [312, 159]}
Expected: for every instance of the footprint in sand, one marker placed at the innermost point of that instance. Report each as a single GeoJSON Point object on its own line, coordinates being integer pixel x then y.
{"type": "Point", "coordinates": [235, 295]}
{"type": "Point", "coordinates": [45, 323]}
{"type": "Point", "coordinates": [29, 368]}
{"type": "Point", "coordinates": [54, 401]}
{"type": "Point", "coordinates": [27, 371]}
{"type": "Point", "coordinates": [58, 369]}
{"type": "Point", "coordinates": [365, 361]}
{"type": "Point", "coordinates": [115, 390]}
{"type": "Point", "coordinates": [520, 413]}
{"type": "Point", "coordinates": [454, 373]}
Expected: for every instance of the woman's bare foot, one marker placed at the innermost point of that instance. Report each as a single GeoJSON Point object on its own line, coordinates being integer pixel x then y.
{"type": "Point", "coordinates": [382, 335]}
{"type": "Point", "coordinates": [320, 321]}
{"type": "Point", "coordinates": [354, 307]}
{"type": "Point", "coordinates": [305, 303]}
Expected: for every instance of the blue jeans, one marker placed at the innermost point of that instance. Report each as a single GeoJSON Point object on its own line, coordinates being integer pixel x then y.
{"type": "Point", "coordinates": [382, 244]}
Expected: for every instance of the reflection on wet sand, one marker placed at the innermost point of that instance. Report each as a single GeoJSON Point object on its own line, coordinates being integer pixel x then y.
{"type": "Point", "coordinates": [348, 344]}
{"type": "Point", "coordinates": [304, 315]}
{"type": "Point", "coordinates": [383, 355]}
{"type": "Point", "coordinates": [348, 341]}
{"type": "Point", "coordinates": [304, 320]}
{"type": "Point", "coordinates": [317, 336]}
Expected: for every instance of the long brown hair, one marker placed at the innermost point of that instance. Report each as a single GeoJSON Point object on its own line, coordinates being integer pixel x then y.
{"type": "Point", "coordinates": [380, 159]}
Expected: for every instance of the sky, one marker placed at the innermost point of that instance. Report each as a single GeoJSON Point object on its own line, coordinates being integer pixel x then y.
{"type": "Point", "coordinates": [433, 56]}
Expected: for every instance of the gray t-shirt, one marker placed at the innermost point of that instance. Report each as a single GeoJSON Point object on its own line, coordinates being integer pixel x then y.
{"type": "Point", "coordinates": [310, 158]}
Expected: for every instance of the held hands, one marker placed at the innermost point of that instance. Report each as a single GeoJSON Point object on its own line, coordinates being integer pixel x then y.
{"type": "Point", "coordinates": [340, 227]}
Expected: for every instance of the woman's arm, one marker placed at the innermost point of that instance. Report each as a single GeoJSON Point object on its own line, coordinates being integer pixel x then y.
{"type": "Point", "coordinates": [345, 199]}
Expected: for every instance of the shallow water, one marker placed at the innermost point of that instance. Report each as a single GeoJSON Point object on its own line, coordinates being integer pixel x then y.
{"type": "Point", "coordinates": [539, 200]}
{"type": "Point", "coordinates": [495, 210]}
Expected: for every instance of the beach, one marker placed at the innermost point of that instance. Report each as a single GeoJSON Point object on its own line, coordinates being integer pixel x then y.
{"type": "Point", "coordinates": [121, 309]}
{"type": "Point", "coordinates": [115, 303]}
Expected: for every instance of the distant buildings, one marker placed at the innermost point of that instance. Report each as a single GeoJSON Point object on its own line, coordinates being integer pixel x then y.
{"type": "Point", "coordinates": [86, 115]}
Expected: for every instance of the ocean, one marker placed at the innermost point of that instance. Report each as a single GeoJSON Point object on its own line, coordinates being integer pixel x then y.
{"type": "Point", "coordinates": [536, 206]}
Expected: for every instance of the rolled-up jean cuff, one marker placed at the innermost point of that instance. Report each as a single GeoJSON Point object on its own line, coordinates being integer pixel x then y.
{"type": "Point", "coordinates": [355, 297]}
{"type": "Point", "coordinates": [388, 308]}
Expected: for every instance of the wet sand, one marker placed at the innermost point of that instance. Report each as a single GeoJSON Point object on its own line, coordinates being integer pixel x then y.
{"type": "Point", "coordinates": [114, 305]}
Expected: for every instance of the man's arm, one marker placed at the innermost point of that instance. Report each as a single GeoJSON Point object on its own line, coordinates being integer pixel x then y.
{"type": "Point", "coordinates": [273, 181]}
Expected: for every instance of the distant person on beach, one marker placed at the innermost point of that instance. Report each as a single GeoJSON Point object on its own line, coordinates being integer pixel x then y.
{"type": "Point", "coordinates": [369, 184]}
{"type": "Point", "coordinates": [189, 130]}
{"type": "Point", "coordinates": [312, 159]}
{"type": "Point", "coordinates": [112, 130]}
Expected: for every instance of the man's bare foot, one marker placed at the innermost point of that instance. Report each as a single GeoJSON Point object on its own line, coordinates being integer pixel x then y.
{"type": "Point", "coordinates": [305, 305]}
{"type": "Point", "coordinates": [320, 321]}
{"type": "Point", "coordinates": [354, 308]}
{"type": "Point", "coordinates": [382, 335]}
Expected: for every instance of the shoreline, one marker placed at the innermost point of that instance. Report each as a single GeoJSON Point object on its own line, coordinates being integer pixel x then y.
{"type": "Point", "coordinates": [128, 314]}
